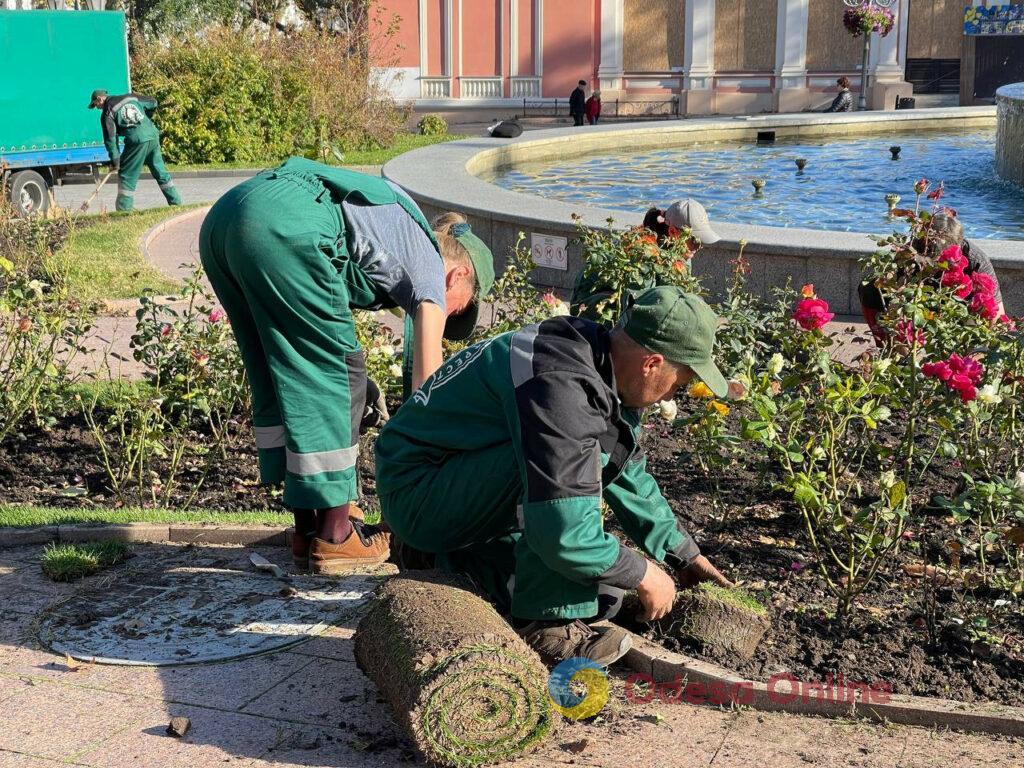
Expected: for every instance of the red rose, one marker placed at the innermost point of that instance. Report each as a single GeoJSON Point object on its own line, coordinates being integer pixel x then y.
{"type": "Point", "coordinates": [811, 314]}
{"type": "Point", "coordinates": [940, 370]}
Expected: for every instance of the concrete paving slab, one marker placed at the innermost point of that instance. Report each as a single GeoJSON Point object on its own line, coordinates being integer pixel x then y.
{"type": "Point", "coordinates": [336, 643]}
{"type": "Point", "coordinates": [325, 691]}
{"type": "Point", "coordinates": [58, 721]}
{"type": "Point", "coordinates": [215, 738]}
{"type": "Point", "coordinates": [17, 760]}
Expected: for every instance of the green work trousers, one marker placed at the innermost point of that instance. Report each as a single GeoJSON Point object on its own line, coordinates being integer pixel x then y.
{"type": "Point", "coordinates": [464, 512]}
{"type": "Point", "coordinates": [133, 158]}
{"type": "Point", "coordinates": [273, 250]}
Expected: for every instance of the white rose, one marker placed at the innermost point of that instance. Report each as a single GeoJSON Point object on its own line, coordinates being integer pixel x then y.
{"type": "Point", "coordinates": [395, 370]}
{"type": "Point", "coordinates": [776, 363]}
{"type": "Point", "coordinates": [882, 364]}
{"type": "Point", "coordinates": [559, 308]}
{"type": "Point", "coordinates": [668, 409]}
{"type": "Point", "coordinates": [989, 394]}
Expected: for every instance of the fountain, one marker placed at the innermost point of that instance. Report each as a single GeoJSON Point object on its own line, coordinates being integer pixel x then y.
{"type": "Point", "coordinates": [1010, 132]}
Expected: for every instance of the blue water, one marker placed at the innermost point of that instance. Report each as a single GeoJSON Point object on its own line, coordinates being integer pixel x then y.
{"type": "Point", "coordinates": [843, 186]}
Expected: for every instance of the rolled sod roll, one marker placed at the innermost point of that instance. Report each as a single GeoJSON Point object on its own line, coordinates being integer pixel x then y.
{"type": "Point", "coordinates": [461, 682]}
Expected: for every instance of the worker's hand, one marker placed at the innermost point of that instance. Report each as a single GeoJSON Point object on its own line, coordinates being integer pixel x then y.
{"type": "Point", "coordinates": [115, 165]}
{"type": "Point", "coordinates": [657, 592]}
{"type": "Point", "coordinates": [700, 570]}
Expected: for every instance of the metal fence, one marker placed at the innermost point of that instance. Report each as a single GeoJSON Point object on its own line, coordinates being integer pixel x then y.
{"type": "Point", "coordinates": [646, 108]}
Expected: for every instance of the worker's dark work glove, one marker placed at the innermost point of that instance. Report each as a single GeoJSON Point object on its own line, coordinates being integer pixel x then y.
{"type": "Point", "coordinates": [375, 414]}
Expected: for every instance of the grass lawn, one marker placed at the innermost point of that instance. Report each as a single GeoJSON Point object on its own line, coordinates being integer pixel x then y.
{"type": "Point", "coordinates": [404, 142]}
{"type": "Point", "coordinates": [102, 259]}
{"type": "Point", "coordinates": [21, 515]}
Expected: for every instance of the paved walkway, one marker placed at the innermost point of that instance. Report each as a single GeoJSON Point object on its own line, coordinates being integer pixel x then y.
{"type": "Point", "coordinates": [311, 706]}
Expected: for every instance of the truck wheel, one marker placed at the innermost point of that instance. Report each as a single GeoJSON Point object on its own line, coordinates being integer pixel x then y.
{"type": "Point", "coordinates": [29, 193]}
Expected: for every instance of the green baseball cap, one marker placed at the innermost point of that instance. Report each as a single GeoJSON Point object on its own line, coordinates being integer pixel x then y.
{"type": "Point", "coordinates": [461, 326]}
{"type": "Point", "coordinates": [680, 326]}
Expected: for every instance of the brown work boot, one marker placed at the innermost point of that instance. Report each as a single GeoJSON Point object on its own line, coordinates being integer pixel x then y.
{"type": "Point", "coordinates": [557, 641]}
{"type": "Point", "coordinates": [300, 550]}
{"type": "Point", "coordinates": [365, 547]}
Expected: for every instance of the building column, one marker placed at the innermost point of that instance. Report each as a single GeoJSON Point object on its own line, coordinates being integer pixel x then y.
{"type": "Point", "coordinates": [888, 62]}
{"type": "Point", "coordinates": [699, 58]}
{"type": "Point", "coordinates": [609, 71]}
{"type": "Point", "coordinates": [791, 93]}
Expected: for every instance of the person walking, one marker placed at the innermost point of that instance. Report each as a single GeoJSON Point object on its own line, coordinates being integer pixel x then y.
{"type": "Point", "coordinates": [843, 102]}
{"type": "Point", "coordinates": [499, 463]}
{"type": "Point", "coordinates": [593, 108]}
{"type": "Point", "coordinates": [128, 116]}
{"type": "Point", "coordinates": [578, 102]}
{"type": "Point", "coordinates": [290, 253]}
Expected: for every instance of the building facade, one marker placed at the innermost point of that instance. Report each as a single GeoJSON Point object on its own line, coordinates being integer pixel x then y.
{"type": "Point", "coordinates": [711, 56]}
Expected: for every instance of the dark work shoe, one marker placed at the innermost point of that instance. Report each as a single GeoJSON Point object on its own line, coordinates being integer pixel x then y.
{"type": "Point", "coordinates": [557, 641]}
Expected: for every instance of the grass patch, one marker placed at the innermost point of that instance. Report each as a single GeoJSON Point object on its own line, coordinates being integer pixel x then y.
{"type": "Point", "coordinates": [404, 142]}
{"type": "Point", "coordinates": [71, 562]}
{"type": "Point", "coordinates": [22, 515]}
{"type": "Point", "coordinates": [102, 260]}
{"type": "Point", "coordinates": [738, 597]}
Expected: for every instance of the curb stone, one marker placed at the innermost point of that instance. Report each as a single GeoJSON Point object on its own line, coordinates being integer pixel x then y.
{"type": "Point", "coordinates": [664, 666]}
{"type": "Point", "coordinates": [18, 537]}
{"type": "Point", "coordinates": [244, 535]}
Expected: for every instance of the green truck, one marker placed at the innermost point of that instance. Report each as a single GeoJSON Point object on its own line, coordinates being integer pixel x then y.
{"type": "Point", "coordinates": [48, 136]}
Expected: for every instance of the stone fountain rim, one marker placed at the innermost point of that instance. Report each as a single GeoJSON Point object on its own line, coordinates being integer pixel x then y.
{"type": "Point", "coordinates": [445, 175]}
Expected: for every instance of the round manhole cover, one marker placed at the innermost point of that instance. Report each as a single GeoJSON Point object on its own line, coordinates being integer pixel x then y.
{"type": "Point", "coordinates": [204, 605]}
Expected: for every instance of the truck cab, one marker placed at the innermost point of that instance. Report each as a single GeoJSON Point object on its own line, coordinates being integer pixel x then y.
{"type": "Point", "coordinates": [48, 135]}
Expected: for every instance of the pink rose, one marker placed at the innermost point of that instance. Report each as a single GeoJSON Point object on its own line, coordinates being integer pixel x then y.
{"type": "Point", "coordinates": [921, 186]}
{"type": "Point", "coordinates": [811, 314]}
{"type": "Point", "coordinates": [984, 283]}
{"type": "Point", "coordinates": [906, 333]}
{"type": "Point", "coordinates": [960, 280]}
{"type": "Point", "coordinates": [940, 371]}
{"type": "Point", "coordinates": [938, 192]}
{"type": "Point", "coordinates": [954, 257]}
{"type": "Point", "coordinates": [216, 316]}
{"type": "Point", "coordinates": [165, 330]}
{"type": "Point", "coordinates": [985, 304]}
{"type": "Point", "coordinates": [1009, 322]}
{"type": "Point", "coordinates": [550, 299]}
{"type": "Point", "coordinates": [968, 366]}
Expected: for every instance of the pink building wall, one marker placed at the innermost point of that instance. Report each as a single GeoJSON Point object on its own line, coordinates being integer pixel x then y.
{"type": "Point", "coordinates": [526, 48]}
{"type": "Point", "coordinates": [570, 50]}
{"type": "Point", "coordinates": [481, 52]}
{"type": "Point", "coordinates": [435, 38]}
{"type": "Point", "coordinates": [402, 48]}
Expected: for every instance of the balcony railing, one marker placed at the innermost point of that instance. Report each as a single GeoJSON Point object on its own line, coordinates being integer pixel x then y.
{"type": "Point", "coordinates": [525, 87]}
{"type": "Point", "coordinates": [480, 87]}
{"type": "Point", "coordinates": [435, 87]}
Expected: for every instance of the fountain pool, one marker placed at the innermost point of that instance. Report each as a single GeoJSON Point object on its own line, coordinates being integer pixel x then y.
{"type": "Point", "coordinates": [842, 187]}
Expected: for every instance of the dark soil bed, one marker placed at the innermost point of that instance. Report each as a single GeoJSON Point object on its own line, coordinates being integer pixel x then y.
{"type": "Point", "coordinates": [761, 544]}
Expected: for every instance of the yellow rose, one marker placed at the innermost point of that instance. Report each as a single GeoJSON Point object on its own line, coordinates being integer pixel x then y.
{"type": "Point", "coordinates": [700, 389]}
{"type": "Point", "coordinates": [718, 405]}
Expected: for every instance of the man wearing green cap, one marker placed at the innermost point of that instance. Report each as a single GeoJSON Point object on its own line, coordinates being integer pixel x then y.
{"type": "Point", "coordinates": [291, 253]}
{"type": "Point", "coordinates": [499, 462]}
{"type": "Point", "coordinates": [128, 115]}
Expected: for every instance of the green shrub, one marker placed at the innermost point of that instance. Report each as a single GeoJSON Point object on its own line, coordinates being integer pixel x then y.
{"type": "Point", "coordinates": [432, 125]}
{"type": "Point", "coordinates": [241, 96]}
{"type": "Point", "coordinates": [71, 562]}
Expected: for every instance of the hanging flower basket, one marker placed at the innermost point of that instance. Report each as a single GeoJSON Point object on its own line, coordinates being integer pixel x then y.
{"type": "Point", "coordinates": [868, 18]}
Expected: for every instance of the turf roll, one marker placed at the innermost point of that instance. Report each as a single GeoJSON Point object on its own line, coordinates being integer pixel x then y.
{"type": "Point", "coordinates": [462, 683]}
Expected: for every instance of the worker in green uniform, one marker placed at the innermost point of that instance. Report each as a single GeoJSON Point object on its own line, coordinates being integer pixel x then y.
{"type": "Point", "coordinates": [129, 116]}
{"type": "Point", "coordinates": [499, 463]}
{"type": "Point", "coordinates": [290, 253]}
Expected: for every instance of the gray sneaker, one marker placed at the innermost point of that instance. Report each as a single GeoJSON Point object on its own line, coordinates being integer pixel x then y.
{"type": "Point", "coordinates": [557, 641]}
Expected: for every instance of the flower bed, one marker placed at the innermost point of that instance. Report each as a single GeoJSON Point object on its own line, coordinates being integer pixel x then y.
{"type": "Point", "coordinates": [876, 508]}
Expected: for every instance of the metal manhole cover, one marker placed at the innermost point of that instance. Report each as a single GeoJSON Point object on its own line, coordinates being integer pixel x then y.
{"type": "Point", "coordinates": [161, 611]}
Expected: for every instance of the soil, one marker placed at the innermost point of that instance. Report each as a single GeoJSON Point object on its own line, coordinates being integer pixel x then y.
{"type": "Point", "coordinates": [761, 544]}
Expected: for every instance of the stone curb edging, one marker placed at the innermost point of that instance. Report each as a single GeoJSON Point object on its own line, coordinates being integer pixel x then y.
{"type": "Point", "coordinates": [664, 666]}
{"type": "Point", "coordinates": [245, 535]}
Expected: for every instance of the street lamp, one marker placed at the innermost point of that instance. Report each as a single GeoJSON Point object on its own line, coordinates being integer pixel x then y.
{"type": "Point", "coordinates": [862, 101]}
